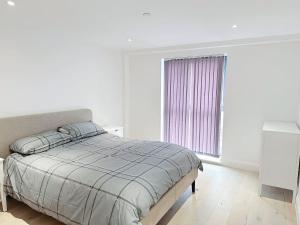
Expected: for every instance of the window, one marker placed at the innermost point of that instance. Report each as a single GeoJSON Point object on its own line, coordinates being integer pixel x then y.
{"type": "Point", "coordinates": [192, 103]}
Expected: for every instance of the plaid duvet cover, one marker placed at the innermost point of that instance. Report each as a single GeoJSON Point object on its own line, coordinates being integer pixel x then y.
{"type": "Point", "coordinates": [102, 180]}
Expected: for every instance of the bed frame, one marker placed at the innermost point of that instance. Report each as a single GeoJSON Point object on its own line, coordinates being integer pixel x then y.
{"type": "Point", "coordinates": [14, 128]}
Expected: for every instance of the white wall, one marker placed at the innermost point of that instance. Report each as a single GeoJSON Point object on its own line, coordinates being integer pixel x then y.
{"type": "Point", "coordinates": [297, 204]}
{"type": "Point", "coordinates": [299, 117]}
{"type": "Point", "coordinates": [51, 76]}
{"type": "Point", "coordinates": [262, 84]}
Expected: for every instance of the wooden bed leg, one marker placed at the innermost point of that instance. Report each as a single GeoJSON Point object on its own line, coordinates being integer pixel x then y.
{"type": "Point", "coordinates": [194, 186]}
{"type": "Point", "coordinates": [2, 193]}
{"type": "Point", "coordinates": [3, 199]}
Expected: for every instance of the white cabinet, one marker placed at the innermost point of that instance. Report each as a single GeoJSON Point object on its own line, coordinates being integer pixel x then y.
{"type": "Point", "coordinates": [280, 156]}
{"type": "Point", "coordinates": [116, 130]}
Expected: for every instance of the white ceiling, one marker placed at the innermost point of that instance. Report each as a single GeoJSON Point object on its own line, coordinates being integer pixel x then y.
{"type": "Point", "coordinates": [173, 22]}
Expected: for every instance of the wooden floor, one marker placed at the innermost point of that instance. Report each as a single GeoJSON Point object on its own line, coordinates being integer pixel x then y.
{"type": "Point", "coordinates": [223, 196]}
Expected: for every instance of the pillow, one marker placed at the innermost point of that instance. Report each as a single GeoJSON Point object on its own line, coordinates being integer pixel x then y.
{"type": "Point", "coordinates": [81, 130]}
{"type": "Point", "coordinates": [40, 142]}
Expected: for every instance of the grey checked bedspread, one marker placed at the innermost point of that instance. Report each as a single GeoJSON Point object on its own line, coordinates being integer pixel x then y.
{"type": "Point", "coordinates": [102, 180]}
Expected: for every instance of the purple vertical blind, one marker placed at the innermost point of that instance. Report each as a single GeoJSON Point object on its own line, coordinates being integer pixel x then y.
{"type": "Point", "coordinates": [192, 104]}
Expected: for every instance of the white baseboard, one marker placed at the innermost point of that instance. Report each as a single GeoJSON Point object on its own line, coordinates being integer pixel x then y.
{"type": "Point", "coordinates": [240, 165]}
{"type": "Point", "coordinates": [230, 163]}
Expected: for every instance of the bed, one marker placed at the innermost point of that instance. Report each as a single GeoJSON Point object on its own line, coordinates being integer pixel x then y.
{"type": "Point", "coordinates": [99, 180]}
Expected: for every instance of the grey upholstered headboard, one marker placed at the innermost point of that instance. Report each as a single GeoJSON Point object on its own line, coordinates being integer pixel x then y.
{"type": "Point", "coordinates": [13, 128]}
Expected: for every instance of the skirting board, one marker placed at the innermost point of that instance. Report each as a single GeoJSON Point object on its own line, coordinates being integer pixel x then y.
{"type": "Point", "coordinates": [229, 163]}
{"type": "Point", "coordinates": [240, 165]}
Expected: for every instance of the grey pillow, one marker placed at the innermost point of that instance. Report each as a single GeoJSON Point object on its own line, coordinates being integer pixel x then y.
{"type": "Point", "coordinates": [40, 142]}
{"type": "Point", "coordinates": [81, 130]}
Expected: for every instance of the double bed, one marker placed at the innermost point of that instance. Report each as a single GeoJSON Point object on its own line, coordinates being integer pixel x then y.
{"type": "Point", "coordinates": [103, 179]}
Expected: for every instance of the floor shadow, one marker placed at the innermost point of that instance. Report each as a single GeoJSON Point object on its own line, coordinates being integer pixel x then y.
{"type": "Point", "coordinates": [173, 210]}
{"type": "Point", "coordinates": [23, 212]}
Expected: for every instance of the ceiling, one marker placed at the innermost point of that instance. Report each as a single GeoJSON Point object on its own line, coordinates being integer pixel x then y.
{"type": "Point", "coordinates": [172, 22]}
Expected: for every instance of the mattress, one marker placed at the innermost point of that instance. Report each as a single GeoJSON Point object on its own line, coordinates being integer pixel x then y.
{"type": "Point", "coordinates": [102, 180]}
